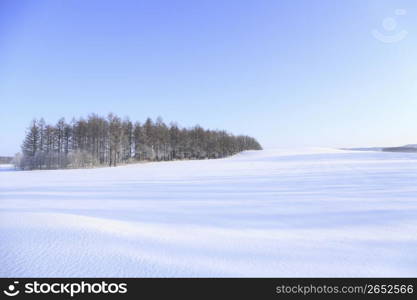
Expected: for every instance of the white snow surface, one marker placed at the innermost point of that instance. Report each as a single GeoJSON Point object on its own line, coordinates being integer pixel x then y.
{"type": "Point", "coordinates": [309, 212]}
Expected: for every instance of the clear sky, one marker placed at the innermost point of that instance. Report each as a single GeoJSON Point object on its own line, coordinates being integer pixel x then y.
{"type": "Point", "coordinates": [291, 73]}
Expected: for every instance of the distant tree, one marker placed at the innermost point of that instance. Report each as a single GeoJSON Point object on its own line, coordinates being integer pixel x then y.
{"type": "Point", "coordinates": [31, 146]}
{"type": "Point", "coordinates": [116, 137]}
{"type": "Point", "coordinates": [127, 140]}
{"type": "Point", "coordinates": [17, 160]}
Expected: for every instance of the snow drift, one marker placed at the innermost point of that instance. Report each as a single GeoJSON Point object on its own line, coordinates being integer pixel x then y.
{"type": "Point", "coordinates": [315, 212]}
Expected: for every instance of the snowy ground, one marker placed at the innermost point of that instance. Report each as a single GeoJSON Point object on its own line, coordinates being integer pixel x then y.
{"type": "Point", "coordinates": [316, 212]}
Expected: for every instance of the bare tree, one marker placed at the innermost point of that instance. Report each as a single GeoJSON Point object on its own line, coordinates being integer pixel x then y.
{"type": "Point", "coordinates": [111, 141]}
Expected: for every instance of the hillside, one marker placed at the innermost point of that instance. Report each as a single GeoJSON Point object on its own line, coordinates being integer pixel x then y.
{"type": "Point", "coordinates": [407, 148]}
{"type": "Point", "coordinates": [308, 212]}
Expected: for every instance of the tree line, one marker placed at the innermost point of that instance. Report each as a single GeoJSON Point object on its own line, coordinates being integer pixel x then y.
{"type": "Point", "coordinates": [6, 159]}
{"type": "Point", "coordinates": [100, 141]}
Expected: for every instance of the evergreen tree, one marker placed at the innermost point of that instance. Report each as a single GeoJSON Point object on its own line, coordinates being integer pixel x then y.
{"type": "Point", "coordinates": [31, 146]}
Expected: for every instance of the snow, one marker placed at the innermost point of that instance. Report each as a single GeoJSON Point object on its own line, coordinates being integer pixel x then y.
{"type": "Point", "coordinates": [276, 213]}
{"type": "Point", "coordinates": [6, 167]}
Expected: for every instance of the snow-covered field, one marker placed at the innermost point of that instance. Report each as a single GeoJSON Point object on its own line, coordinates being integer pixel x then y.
{"type": "Point", "coordinates": [314, 212]}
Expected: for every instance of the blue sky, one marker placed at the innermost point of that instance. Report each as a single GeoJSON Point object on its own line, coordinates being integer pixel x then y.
{"type": "Point", "coordinates": [291, 73]}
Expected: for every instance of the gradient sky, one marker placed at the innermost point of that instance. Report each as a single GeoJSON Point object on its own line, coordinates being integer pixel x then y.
{"type": "Point", "coordinates": [291, 73]}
